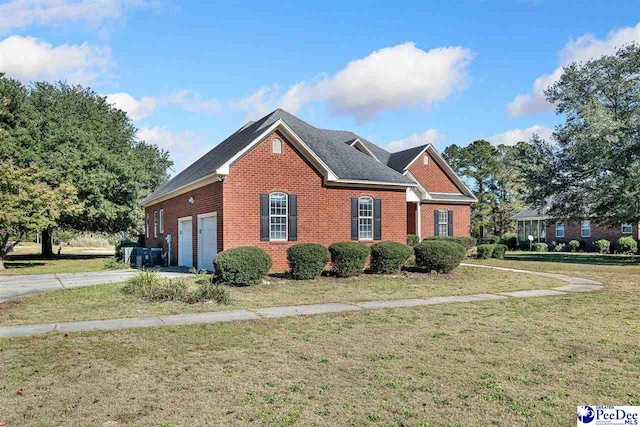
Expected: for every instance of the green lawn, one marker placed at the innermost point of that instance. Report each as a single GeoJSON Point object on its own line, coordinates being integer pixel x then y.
{"type": "Point", "coordinates": [503, 363]}
{"type": "Point", "coordinates": [575, 258]}
{"type": "Point", "coordinates": [108, 301]}
{"type": "Point", "coordinates": [34, 264]}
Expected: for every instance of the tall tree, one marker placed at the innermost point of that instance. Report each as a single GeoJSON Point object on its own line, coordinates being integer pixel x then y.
{"type": "Point", "coordinates": [493, 175]}
{"type": "Point", "coordinates": [75, 136]}
{"type": "Point", "coordinates": [594, 168]}
{"type": "Point", "coordinates": [28, 204]}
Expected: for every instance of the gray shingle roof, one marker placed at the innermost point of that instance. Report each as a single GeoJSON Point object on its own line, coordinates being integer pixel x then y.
{"type": "Point", "coordinates": [329, 146]}
{"type": "Point", "coordinates": [348, 137]}
{"type": "Point", "coordinates": [401, 159]}
{"type": "Point", "coordinates": [452, 197]}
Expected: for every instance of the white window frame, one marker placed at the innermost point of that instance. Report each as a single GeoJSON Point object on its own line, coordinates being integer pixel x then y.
{"type": "Point", "coordinates": [161, 221]}
{"type": "Point", "coordinates": [146, 226]}
{"type": "Point", "coordinates": [425, 160]}
{"type": "Point", "coordinates": [582, 229]}
{"type": "Point", "coordinates": [445, 223]}
{"type": "Point", "coordinates": [628, 224]}
{"type": "Point", "coordinates": [280, 215]}
{"type": "Point", "coordinates": [362, 218]}
{"type": "Point", "coordinates": [276, 146]}
{"type": "Point", "coordinates": [559, 226]}
{"type": "Point", "coordinates": [155, 224]}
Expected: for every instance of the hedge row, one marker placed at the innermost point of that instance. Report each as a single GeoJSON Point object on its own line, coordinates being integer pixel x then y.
{"type": "Point", "coordinates": [496, 250]}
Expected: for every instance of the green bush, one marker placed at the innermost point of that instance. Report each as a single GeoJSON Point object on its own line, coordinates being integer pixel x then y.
{"type": "Point", "coordinates": [389, 257]}
{"type": "Point", "coordinates": [149, 286]}
{"type": "Point", "coordinates": [488, 240]}
{"type": "Point", "coordinates": [439, 256]}
{"type": "Point", "coordinates": [626, 245]}
{"type": "Point", "coordinates": [208, 290]}
{"type": "Point", "coordinates": [498, 251]}
{"type": "Point", "coordinates": [558, 246]}
{"type": "Point", "coordinates": [307, 260]}
{"type": "Point", "coordinates": [485, 251]}
{"type": "Point", "coordinates": [242, 266]}
{"type": "Point", "coordinates": [114, 263]}
{"type": "Point", "coordinates": [539, 247]}
{"type": "Point", "coordinates": [412, 240]}
{"type": "Point", "coordinates": [510, 240]}
{"type": "Point", "coordinates": [467, 242]}
{"type": "Point", "coordinates": [603, 246]}
{"type": "Point", "coordinates": [348, 258]}
{"type": "Point", "coordinates": [574, 245]}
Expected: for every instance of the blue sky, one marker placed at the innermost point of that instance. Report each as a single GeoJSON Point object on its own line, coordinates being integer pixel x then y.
{"type": "Point", "coordinates": [399, 74]}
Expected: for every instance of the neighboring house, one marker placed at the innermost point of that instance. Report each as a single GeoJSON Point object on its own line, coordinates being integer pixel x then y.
{"type": "Point", "coordinates": [543, 228]}
{"type": "Point", "coordinates": [280, 181]}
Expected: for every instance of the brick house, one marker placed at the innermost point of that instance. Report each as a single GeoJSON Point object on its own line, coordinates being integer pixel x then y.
{"type": "Point", "coordinates": [543, 228]}
{"type": "Point", "coordinates": [280, 181]}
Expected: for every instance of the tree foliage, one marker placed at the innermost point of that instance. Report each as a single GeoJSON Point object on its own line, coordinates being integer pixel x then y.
{"type": "Point", "coordinates": [76, 137]}
{"type": "Point", "coordinates": [493, 174]}
{"type": "Point", "coordinates": [28, 204]}
{"type": "Point", "coordinates": [593, 169]}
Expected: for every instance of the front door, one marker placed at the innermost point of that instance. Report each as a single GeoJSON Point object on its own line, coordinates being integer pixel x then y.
{"type": "Point", "coordinates": [185, 243]}
{"type": "Point", "coordinates": [207, 241]}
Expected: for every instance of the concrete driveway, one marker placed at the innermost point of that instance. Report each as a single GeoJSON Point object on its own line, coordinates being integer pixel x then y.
{"type": "Point", "coordinates": [15, 286]}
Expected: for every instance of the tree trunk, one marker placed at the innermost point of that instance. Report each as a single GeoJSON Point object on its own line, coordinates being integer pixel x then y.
{"type": "Point", "coordinates": [47, 247]}
{"type": "Point", "coordinates": [2, 264]}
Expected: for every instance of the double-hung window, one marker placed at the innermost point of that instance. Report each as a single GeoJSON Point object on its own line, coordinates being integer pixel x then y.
{"type": "Point", "coordinates": [365, 218]}
{"type": "Point", "coordinates": [155, 224]}
{"type": "Point", "coordinates": [146, 226]}
{"type": "Point", "coordinates": [278, 216]}
{"type": "Point", "coordinates": [161, 221]}
{"type": "Point", "coordinates": [627, 228]}
{"type": "Point", "coordinates": [443, 222]}
{"type": "Point", "coordinates": [585, 228]}
{"type": "Point", "coordinates": [559, 229]}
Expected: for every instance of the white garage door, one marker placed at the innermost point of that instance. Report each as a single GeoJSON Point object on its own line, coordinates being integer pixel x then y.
{"type": "Point", "coordinates": [207, 240]}
{"type": "Point", "coordinates": [185, 243]}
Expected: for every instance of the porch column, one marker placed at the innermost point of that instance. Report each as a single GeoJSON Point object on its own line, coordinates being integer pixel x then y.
{"type": "Point", "coordinates": [418, 221]}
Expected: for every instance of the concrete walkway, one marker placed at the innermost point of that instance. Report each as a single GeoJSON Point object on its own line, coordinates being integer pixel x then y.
{"type": "Point", "coordinates": [15, 286]}
{"type": "Point", "coordinates": [576, 284]}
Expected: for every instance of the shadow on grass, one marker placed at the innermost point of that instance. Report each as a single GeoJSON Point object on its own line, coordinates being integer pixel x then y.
{"type": "Point", "coordinates": [16, 265]}
{"type": "Point", "coordinates": [38, 257]}
{"type": "Point", "coordinates": [571, 258]}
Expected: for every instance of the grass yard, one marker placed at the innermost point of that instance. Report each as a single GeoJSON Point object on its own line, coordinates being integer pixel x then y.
{"type": "Point", "coordinates": [504, 363]}
{"type": "Point", "coordinates": [108, 301]}
{"type": "Point", "coordinates": [34, 264]}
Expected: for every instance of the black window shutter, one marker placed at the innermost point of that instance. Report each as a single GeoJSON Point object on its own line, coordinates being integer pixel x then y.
{"type": "Point", "coordinates": [450, 223]}
{"type": "Point", "coordinates": [354, 219]}
{"type": "Point", "coordinates": [377, 219]}
{"type": "Point", "coordinates": [435, 222]}
{"type": "Point", "coordinates": [264, 217]}
{"type": "Point", "coordinates": [293, 217]}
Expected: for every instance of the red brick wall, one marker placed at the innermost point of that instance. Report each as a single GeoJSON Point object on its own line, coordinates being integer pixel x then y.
{"type": "Point", "coordinates": [206, 199]}
{"type": "Point", "coordinates": [411, 218]}
{"type": "Point", "coordinates": [323, 212]}
{"type": "Point", "coordinates": [572, 232]}
{"type": "Point", "coordinates": [432, 176]}
{"type": "Point", "coordinates": [461, 219]}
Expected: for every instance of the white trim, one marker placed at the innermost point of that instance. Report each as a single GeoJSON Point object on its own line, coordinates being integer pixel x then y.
{"type": "Point", "coordinates": [581, 228]}
{"type": "Point", "coordinates": [180, 241]}
{"type": "Point", "coordinates": [372, 218]}
{"type": "Point", "coordinates": [200, 182]}
{"type": "Point", "coordinates": [198, 234]}
{"type": "Point", "coordinates": [286, 216]}
{"type": "Point", "coordinates": [185, 218]}
{"type": "Point", "coordinates": [161, 220]}
{"type": "Point", "coordinates": [419, 221]}
{"type": "Point", "coordinates": [558, 223]}
{"type": "Point", "coordinates": [156, 224]}
{"type": "Point", "coordinates": [273, 146]}
{"type": "Point", "coordinates": [530, 218]}
{"type": "Point", "coordinates": [626, 232]}
{"type": "Point", "coordinates": [146, 225]}
{"type": "Point", "coordinates": [360, 144]}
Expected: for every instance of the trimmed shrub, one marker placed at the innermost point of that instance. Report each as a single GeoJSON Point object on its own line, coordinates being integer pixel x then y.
{"type": "Point", "coordinates": [307, 260]}
{"type": "Point", "coordinates": [539, 247]}
{"type": "Point", "coordinates": [412, 240]}
{"type": "Point", "coordinates": [603, 246]}
{"type": "Point", "coordinates": [439, 256]}
{"type": "Point", "coordinates": [510, 240]}
{"type": "Point", "coordinates": [242, 266]}
{"type": "Point", "coordinates": [485, 251]}
{"type": "Point", "coordinates": [467, 242]}
{"type": "Point", "coordinates": [389, 257]}
{"type": "Point", "coordinates": [558, 246]}
{"type": "Point", "coordinates": [498, 251]}
{"type": "Point", "coordinates": [626, 245]}
{"type": "Point", "coordinates": [488, 240]}
{"type": "Point", "coordinates": [574, 245]}
{"type": "Point", "coordinates": [348, 258]}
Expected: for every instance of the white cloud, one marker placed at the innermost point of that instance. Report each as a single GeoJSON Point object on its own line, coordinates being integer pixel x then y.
{"type": "Point", "coordinates": [184, 147]}
{"type": "Point", "coordinates": [23, 13]}
{"type": "Point", "coordinates": [136, 109]}
{"type": "Point", "coordinates": [430, 136]}
{"type": "Point", "coordinates": [28, 58]}
{"type": "Point", "coordinates": [192, 101]}
{"type": "Point", "coordinates": [513, 136]}
{"type": "Point", "coordinates": [581, 49]}
{"type": "Point", "coordinates": [401, 76]}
